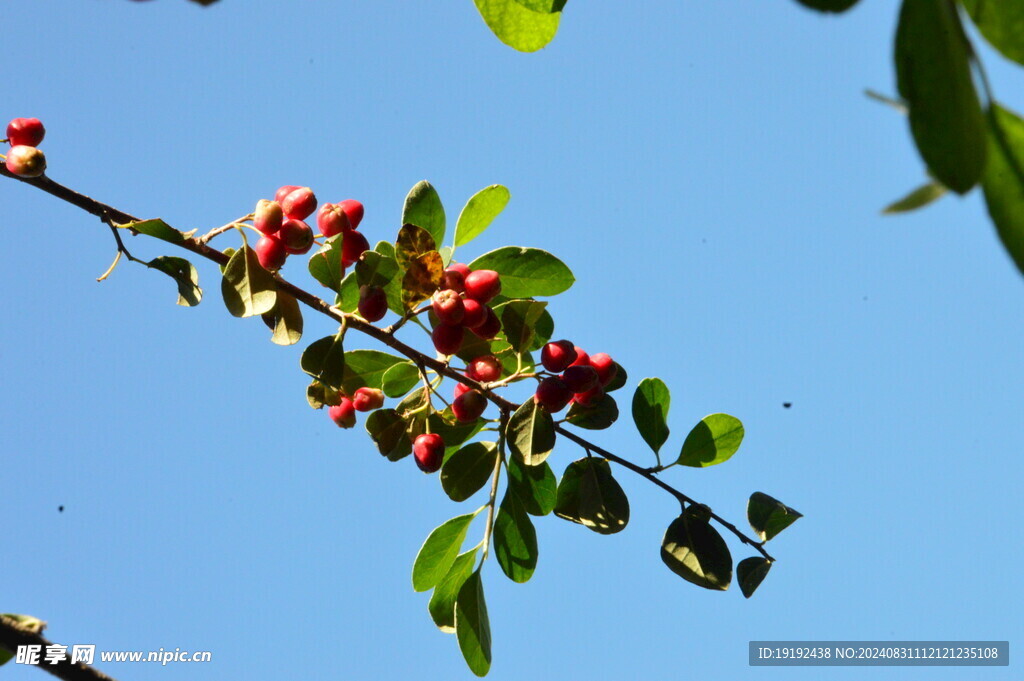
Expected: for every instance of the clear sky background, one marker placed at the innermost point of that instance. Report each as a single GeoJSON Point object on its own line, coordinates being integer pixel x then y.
{"type": "Point", "coordinates": [712, 173]}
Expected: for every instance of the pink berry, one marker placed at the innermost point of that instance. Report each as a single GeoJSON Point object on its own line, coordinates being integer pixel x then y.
{"type": "Point", "coordinates": [557, 355]}
{"type": "Point", "coordinates": [343, 414]}
{"type": "Point", "coordinates": [484, 369]}
{"type": "Point", "coordinates": [27, 132]}
{"type": "Point", "coordinates": [552, 394]}
{"type": "Point", "coordinates": [604, 366]}
{"type": "Point", "coordinates": [448, 307]}
{"type": "Point", "coordinates": [25, 161]}
{"type": "Point", "coordinates": [353, 211]}
{"type": "Point", "coordinates": [447, 338]}
{"type": "Point", "coordinates": [271, 253]}
{"type": "Point", "coordinates": [268, 216]}
{"type": "Point", "coordinates": [367, 399]}
{"type": "Point", "coordinates": [331, 220]}
{"type": "Point", "coordinates": [491, 326]}
{"type": "Point", "coordinates": [296, 236]}
{"type": "Point", "coordinates": [482, 285]}
{"type": "Point", "coordinates": [353, 246]}
{"type": "Point", "coordinates": [469, 406]}
{"type": "Point", "coordinates": [580, 379]}
{"type": "Point", "coordinates": [428, 449]}
{"type": "Point", "coordinates": [582, 358]}
{"type": "Point", "coordinates": [299, 204]}
{"type": "Point", "coordinates": [285, 191]}
{"type": "Point", "coordinates": [455, 276]}
{"type": "Point", "coordinates": [475, 314]}
{"type": "Point", "coordinates": [373, 303]}
{"type": "Point", "coordinates": [461, 388]}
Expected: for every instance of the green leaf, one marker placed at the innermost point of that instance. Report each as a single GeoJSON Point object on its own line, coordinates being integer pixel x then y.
{"type": "Point", "coordinates": [376, 269]}
{"type": "Point", "coordinates": [324, 360]}
{"type": "Point", "coordinates": [650, 412]}
{"type": "Point", "coordinates": [598, 416]}
{"type": "Point", "coordinates": [157, 229]}
{"type": "Point", "coordinates": [535, 486]}
{"type": "Point", "coordinates": [399, 379]}
{"type": "Point", "coordinates": [531, 433]}
{"type": "Point", "coordinates": [1002, 24]}
{"type": "Point", "coordinates": [543, 5]}
{"type": "Point", "coordinates": [184, 273]}
{"type": "Point", "coordinates": [829, 5]}
{"type": "Point", "coordinates": [619, 381]}
{"type": "Point", "coordinates": [348, 293]}
{"type": "Point", "coordinates": [319, 395]}
{"type": "Point", "coordinates": [517, 26]}
{"type": "Point", "coordinates": [423, 208]}
{"type": "Point", "coordinates": [325, 264]}
{"type": "Point", "coordinates": [515, 540]}
{"type": "Point", "coordinates": [439, 551]}
{"type": "Point", "coordinates": [413, 241]}
{"type": "Point", "coordinates": [388, 431]}
{"type": "Point", "coordinates": [543, 330]}
{"type": "Point", "coordinates": [442, 601]}
{"type": "Point", "coordinates": [769, 516]}
{"type": "Point", "coordinates": [919, 198]}
{"type": "Point", "coordinates": [472, 626]}
{"type": "Point", "coordinates": [453, 432]}
{"type": "Point", "coordinates": [751, 572]}
{"type": "Point", "coordinates": [518, 319]}
{"type": "Point", "coordinates": [526, 272]}
{"type": "Point", "coordinates": [934, 77]}
{"type": "Point", "coordinates": [1003, 183]}
{"type": "Point", "coordinates": [421, 279]}
{"type": "Point", "coordinates": [588, 494]}
{"type": "Point", "coordinates": [366, 369]}
{"type": "Point", "coordinates": [468, 469]}
{"type": "Point", "coordinates": [696, 551]}
{"type": "Point", "coordinates": [248, 289]}
{"type": "Point", "coordinates": [5, 656]}
{"type": "Point", "coordinates": [285, 320]}
{"type": "Point", "coordinates": [479, 212]}
{"type": "Point", "coordinates": [714, 440]}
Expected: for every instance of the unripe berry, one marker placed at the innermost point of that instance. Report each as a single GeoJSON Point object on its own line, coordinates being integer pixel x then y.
{"type": "Point", "coordinates": [367, 399]}
{"type": "Point", "coordinates": [455, 276]}
{"type": "Point", "coordinates": [448, 307]}
{"type": "Point", "coordinates": [469, 406]}
{"type": "Point", "coordinates": [25, 131]}
{"type": "Point", "coordinates": [271, 253]}
{"type": "Point", "coordinates": [373, 303]}
{"type": "Point", "coordinates": [475, 314]}
{"type": "Point", "coordinates": [461, 388]}
{"type": "Point", "coordinates": [589, 397]}
{"type": "Point", "coordinates": [296, 236]}
{"type": "Point", "coordinates": [582, 358]}
{"type": "Point", "coordinates": [299, 204]}
{"type": "Point", "coordinates": [484, 369]}
{"type": "Point", "coordinates": [331, 220]}
{"type": "Point", "coordinates": [604, 366]}
{"type": "Point", "coordinates": [428, 450]}
{"type": "Point", "coordinates": [580, 379]}
{"type": "Point", "coordinates": [352, 247]}
{"type": "Point", "coordinates": [491, 326]}
{"type": "Point", "coordinates": [447, 338]}
{"type": "Point", "coordinates": [269, 217]}
{"type": "Point", "coordinates": [552, 394]}
{"type": "Point", "coordinates": [343, 414]}
{"type": "Point", "coordinates": [482, 285]}
{"type": "Point", "coordinates": [353, 211]}
{"type": "Point", "coordinates": [557, 355]}
{"type": "Point", "coordinates": [25, 161]}
{"type": "Point", "coordinates": [285, 191]}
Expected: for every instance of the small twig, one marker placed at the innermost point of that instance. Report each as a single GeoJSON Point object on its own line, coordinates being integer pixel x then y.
{"type": "Point", "coordinates": [495, 477]}
{"type": "Point", "coordinates": [224, 228]}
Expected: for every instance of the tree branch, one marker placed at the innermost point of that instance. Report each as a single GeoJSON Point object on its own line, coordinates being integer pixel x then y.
{"type": "Point", "coordinates": [13, 634]}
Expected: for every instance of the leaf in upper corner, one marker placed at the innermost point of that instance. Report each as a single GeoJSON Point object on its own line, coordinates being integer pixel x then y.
{"type": "Point", "coordinates": [518, 26]}
{"type": "Point", "coordinates": [1001, 22]}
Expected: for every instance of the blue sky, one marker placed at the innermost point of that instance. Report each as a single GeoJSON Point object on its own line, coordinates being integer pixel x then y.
{"type": "Point", "coordinates": [712, 173]}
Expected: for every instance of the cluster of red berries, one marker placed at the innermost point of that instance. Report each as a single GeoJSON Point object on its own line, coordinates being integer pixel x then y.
{"type": "Point", "coordinates": [285, 232]}
{"type": "Point", "coordinates": [363, 399]}
{"type": "Point", "coordinates": [582, 378]}
{"type": "Point", "coordinates": [461, 304]}
{"type": "Point", "coordinates": [23, 158]}
{"type": "Point", "coordinates": [469, 404]}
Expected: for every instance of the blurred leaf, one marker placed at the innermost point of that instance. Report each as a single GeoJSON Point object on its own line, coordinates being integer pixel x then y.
{"type": "Point", "coordinates": [439, 551]}
{"type": "Point", "coordinates": [531, 433]}
{"type": "Point", "coordinates": [714, 440]}
{"type": "Point", "coordinates": [421, 279]}
{"type": "Point", "coordinates": [184, 273]}
{"type": "Point", "coordinates": [515, 540]}
{"type": "Point", "coordinates": [517, 26]}
{"type": "Point", "coordinates": [518, 319]}
{"type": "Point", "coordinates": [769, 516]}
{"type": "Point", "coordinates": [324, 360]}
{"type": "Point", "coordinates": [543, 5]}
{"type": "Point", "coordinates": [750, 573]}
{"type": "Point", "coordinates": [325, 264]}
{"type": "Point", "coordinates": [696, 551]}
{"type": "Point", "coordinates": [829, 5]}
{"type": "Point", "coordinates": [387, 429]}
{"type": "Point", "coordinates": [366, 369]}
{"type": "Point", "coordinates": [934, 77]}
{"type": "Point", "coordinates": [479, 212]}
{"type": "Point", "coordinates": [472, 626]}
{"type": "Point", "coordinates": [650, 412]}
{"type": "Point", "coordinates": [588, 494]}
{"type": "Point", "coordinates": [919, 198]}
{"type": "Point", "coordinates": [399, 379]}
{"type": "Point", "coordinates": [598, 416]}
{"type": "Point", "coordinates": [526, 272]}
{"type": "Point", "coordinates": [248, 289]}
{"type": "Point", "coordinates": [535, 486]}
{"type": "Point", "coordinates": [442, 601]}
{"type": "Point", "coordinates": [423, 208]}
{"type": "Point", "coordinates": [285, 320]}
{"type": "Point", "coordinates": [468, 469]}
{"type": "Point", "coordinates": [1002, 24]}
{"type": "Point", "coordinates": [1003, 183]}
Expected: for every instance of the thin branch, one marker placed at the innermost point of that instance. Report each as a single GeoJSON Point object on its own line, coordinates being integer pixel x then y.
{"type": "Point", "coordinates": [489, 528]}
{"type": "Point", "coordinates": [13, 634]}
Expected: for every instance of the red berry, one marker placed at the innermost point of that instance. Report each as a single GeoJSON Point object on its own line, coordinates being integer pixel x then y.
{"type": "Point", "coordinates": [448, 307]}
{"type": "Point", "coordinates": [352, 247]}
{"type": "Point", "coordinates": [484, 369]}
{"type": "Point", "coordinates": [299, 204]}
{"type": "Point", "coordinates": [428, 449]}
{"type": "Point", "coordinates": [580, 379]}
{"type": "Point", "coordinates": [475, 313]}
{"type": "Point", "coordinates": [269, 217]}
{"type": "Point", "coordinates": [285, 191]}
{"type": "Point", "coordinates": [25, 161]}
{"type": "Point", "coordinates": [367, 399]}
{"type": "Point", "coordinates": [331, 220]}
{"type": "Point", "coordinates": [491, 326]}
{"type": "Point", "coordinates": [582, 358]}
{"type": "Point", "coordinates": [557, 355]}
{"type": "Point", "coordinates": [482, 285]}
{"type": "Point", "coordinates": [589, 397]}
{"type": "Point", "coordinates": [343, 414]}
{"type": "Point", "coordinates": [271, 253]}
{"type": "Point", "coordinates": [469, 406]}
{"type": "Point", "coordinates": [353, 211]}
{"type": "Point", "coordinates": [455, 276]}
{"type": "Point", "coordinates": [25, 131]}
{"type": "Point", "coordinates": [604, 366]}
{"type": "Point", "coordinates": [373, 303]}
{"type": "Point", "coordinates": [296, 236]}
{"type": "Point", "coordinates": [552, 394]}
{"type": "Point", "coordinates": [447, 338]}
{"type": "Point", "coordinates": [461, 388]}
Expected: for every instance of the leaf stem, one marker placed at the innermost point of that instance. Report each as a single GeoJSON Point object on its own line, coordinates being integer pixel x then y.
{"type": "Point", "coordinates": [489, 528]}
